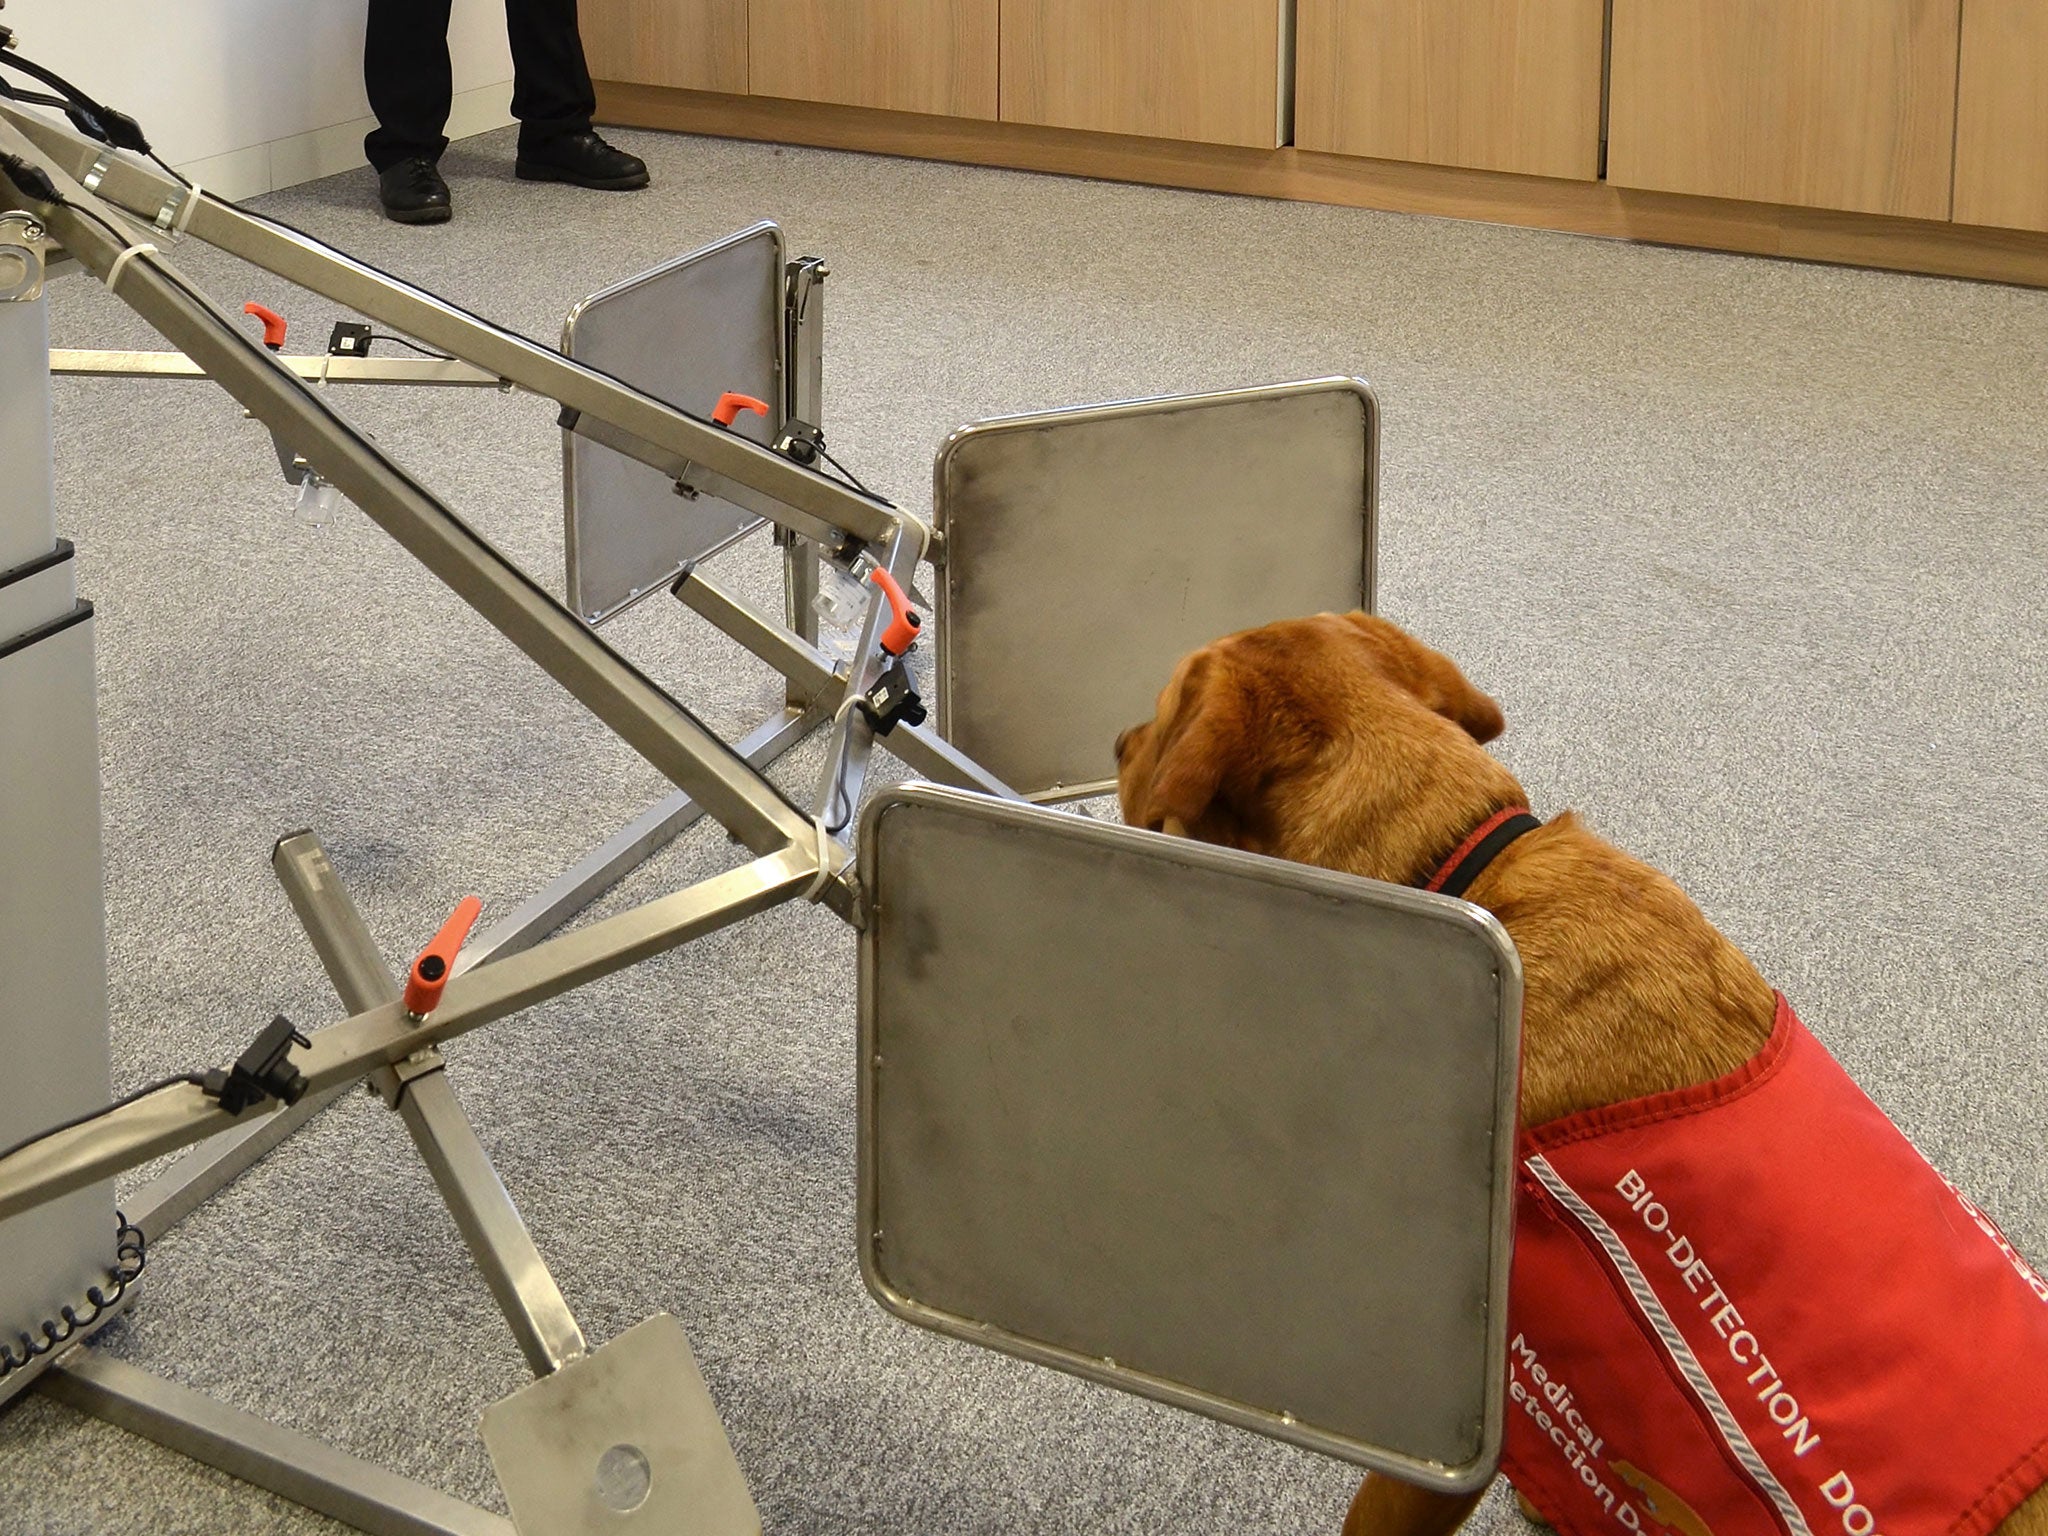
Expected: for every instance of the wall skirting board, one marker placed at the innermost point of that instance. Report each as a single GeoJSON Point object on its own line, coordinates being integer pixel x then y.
{"type": "Point", "coordinates": [321, 152]}
{"type": "Point", "coordinates": [1580, 207]}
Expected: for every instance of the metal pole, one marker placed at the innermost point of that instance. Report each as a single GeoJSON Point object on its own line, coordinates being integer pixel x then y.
{"type": "Point", "coordinates": [624, 851]}
{"type": "Point", "coordinates": [320, 369]}
{"type": "Point", "coordinates": [343, 1053]}
{"type": "Point", "coordinates": [804, 407]}
{"type": "Point", "coordinates": [810, 673]}
{"type": "Point", "coordinates": [666, 734]}
{"type": "Point", "coordinates": [292, 1465]}
{"type": "Point", "coordinates": [652, 431]}
{"type": "Point", "coordinates": [490, 1223]}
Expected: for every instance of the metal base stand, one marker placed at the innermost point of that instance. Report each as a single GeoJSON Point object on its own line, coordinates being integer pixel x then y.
{"type": "Point", "coordinates": [625, 1439]}
{"type": "Point", "coordinates": [291, 1465]}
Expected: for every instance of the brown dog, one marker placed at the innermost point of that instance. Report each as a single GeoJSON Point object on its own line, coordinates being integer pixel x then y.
{"type": "Point", "coordinates": [1341, 741]}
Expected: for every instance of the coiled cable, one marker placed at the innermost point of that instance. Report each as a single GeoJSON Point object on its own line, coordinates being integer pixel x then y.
{"type": "Point", "coordinates": [130, 1258]}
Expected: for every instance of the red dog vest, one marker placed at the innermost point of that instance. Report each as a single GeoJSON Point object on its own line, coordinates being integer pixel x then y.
{"type": "Point", "coordinates": [1751, 1308]}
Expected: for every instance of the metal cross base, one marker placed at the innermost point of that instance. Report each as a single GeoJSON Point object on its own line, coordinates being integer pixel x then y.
{"type": "Point", "coordinates": [215, 1163]}
{"type": "Point", "coordinates": [622, 1439]}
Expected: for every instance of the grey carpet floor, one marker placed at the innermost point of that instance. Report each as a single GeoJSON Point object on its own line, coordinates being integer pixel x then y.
{"type": "Point", "coordinates": [1752, 554]}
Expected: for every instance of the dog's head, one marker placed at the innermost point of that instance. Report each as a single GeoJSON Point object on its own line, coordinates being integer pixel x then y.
{"type": "Point", "coordinates": [1336, 740]}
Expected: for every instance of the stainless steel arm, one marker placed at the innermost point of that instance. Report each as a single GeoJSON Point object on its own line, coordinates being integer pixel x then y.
{"type": "Point", "coordinates": [314, 369]}
{"type": "Point", "coordinates": [383, 1036]}
{"type": "Point", "coordinates": [646, 428]}
{"type": "Point", "coordinates": [919, 746]}
{"type": "Point", "coordinates": [483, 1210]}
{"type": "Point", "coordinates": [655, 725]}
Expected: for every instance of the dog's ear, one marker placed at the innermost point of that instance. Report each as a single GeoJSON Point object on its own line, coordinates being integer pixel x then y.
{"type": "Point", "coordinates": [1198, 742]}
{"type": "Point", "coordinates": [1433, 678]}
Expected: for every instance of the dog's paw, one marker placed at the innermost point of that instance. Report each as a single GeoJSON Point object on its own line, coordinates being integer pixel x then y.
{"type": "Point", "coordinates": [1529, 1513]}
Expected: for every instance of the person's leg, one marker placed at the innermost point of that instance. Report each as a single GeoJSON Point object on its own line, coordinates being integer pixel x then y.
{"type": "Point", "coordinates": [551, 94]}
{"type": "Point", "coordinates": [407, 77]}
{"type": "Point", "coordinates": [552, 98]}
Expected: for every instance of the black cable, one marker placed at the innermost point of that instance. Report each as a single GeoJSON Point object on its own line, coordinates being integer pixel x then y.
{"type": "Point", "coordinates": [31, 98]}
{"type": "Point", "coordinates": [832, 808]}
{"type": "Point", "coordinates": [10, 59]}
{"type": "Point", "coordinates": [91, 117]}
{"type": "Point", "coordinates": [851, 478]}
{"type": "Point", "coordinates": [171, 171]}
{"type": "Point", "coordinates": [194, 1078]}
{"type": "Point", "coordinates": [103, 123]}
{"type": "Point", "coordinates": [423, 351]}
{"type": "Point", "coordinates": [32, 181]}
{"type": "Point", "coordinates": [131, 1256]}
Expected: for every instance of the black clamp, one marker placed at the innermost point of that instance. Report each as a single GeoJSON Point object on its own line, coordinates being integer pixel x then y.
{"type": "Point", "coordinates": [802, 442]}
{"type": "Point", "coordinates": [350, 338]}
{"type": "Point", "coordinates": [265, 1071]}
{"type": "Point", "coordinates": [893, 700]}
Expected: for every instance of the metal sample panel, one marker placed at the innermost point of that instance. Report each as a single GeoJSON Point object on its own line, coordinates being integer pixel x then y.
{"type": "Point", "coordinates": [622, 1441]}
{"type": "Point", "coordinates": [1087, 551]}
{"type": "Point", "coordinates": [686, 332]}
{"type": "Point", "coordinates": [1217, 1129]}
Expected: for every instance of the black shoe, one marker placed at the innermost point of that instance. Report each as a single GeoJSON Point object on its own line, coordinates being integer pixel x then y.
{"type": "Point", "coordinates": [413, 192]}
{"type": "Point", "coordinates": [582, 160]}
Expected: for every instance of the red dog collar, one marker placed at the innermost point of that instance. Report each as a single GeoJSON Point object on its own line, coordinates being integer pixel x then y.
{"type": "Point", "coordinates": [1456, 874]}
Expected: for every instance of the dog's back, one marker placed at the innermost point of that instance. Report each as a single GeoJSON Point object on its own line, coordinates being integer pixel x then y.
{"type": "Point", "coordinates": [1341, 741]}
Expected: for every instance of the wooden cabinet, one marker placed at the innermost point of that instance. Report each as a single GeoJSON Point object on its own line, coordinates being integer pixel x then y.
{"type": "Point", "coordinates": [906, 55]}
{"type": "Point", "coordinates": [2002, 115]}
{"type": "Point", "coordinates": [698, 45]}
{"type": "Point", "coordinates": [1202, 70]}
{"type": "Point", "coordinates": [1499, 85]}
{"type": "Point", "coordinates": [1821, 103]}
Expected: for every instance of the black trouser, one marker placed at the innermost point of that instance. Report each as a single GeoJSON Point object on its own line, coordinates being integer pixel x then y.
{"type": "Point", "coordinates": [406, 71]}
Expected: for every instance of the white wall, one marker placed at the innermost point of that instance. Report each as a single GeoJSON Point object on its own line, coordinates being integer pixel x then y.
{"type": "Point", "coordinates": [249, 95]}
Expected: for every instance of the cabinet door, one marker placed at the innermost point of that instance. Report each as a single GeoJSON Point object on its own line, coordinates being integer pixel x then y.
{"type": "Point", "coordinates": [907, 55]}
{"type": "Point", "coordinates": [1821, 103]}
{"type": "Point", "coordinates": [2002, 111]}
{"type": "Point", "coordinates": [698, 45]}
{"type": "Point", "coordinates": [1499, 85]}
{"type": "Point", "coordinates": [1204, 70]}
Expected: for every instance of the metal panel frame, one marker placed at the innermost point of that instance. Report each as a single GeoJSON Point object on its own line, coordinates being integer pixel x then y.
{"type": "Point", "coordinates": [965, 438]}
{"type": "Point", "coordinates": [1275, 1425]}
{"type": "Point", "coordinates": [796, 853]}
{"type": "Point", "coordinates": [575, 538]}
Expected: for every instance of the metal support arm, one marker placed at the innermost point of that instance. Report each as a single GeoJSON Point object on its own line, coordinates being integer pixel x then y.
{"type": "Point", "coordinates": [314, 369]}
{"type": "Point", "coordinates": [287, 1463]}
{"type": "Point", "coordinates": [345, 1052]}
{"type": "Point", "coordinates": [810, 674]}
{"type": "Point", "coordinates": [655, 725]}
{"type": "Point", "coordinates": [490, 1223]}
{"type": "Point", "coordinates": [650, 430]}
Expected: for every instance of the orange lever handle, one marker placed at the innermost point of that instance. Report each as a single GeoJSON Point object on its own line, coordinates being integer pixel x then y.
{"type": "Point", "coordinates": [273, 324]}
{"type": "Point", "coordinates": [903, 628]}
{"type": "Point", "coordinates": [729, 406]}
{"type": "Point", "coordinates": [430, 972]}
